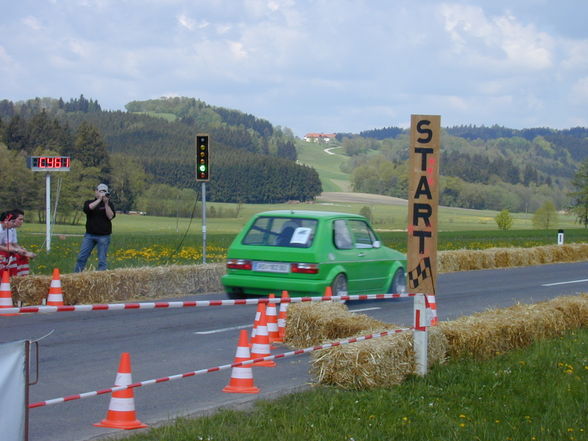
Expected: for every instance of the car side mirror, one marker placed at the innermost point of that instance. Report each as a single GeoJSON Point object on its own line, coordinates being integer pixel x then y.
{"type": "Point", "coordinates": [376, 244]}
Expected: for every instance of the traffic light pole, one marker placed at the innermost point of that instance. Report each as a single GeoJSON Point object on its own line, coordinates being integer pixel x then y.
{"type": "Point", "coordinates": [204, 222]}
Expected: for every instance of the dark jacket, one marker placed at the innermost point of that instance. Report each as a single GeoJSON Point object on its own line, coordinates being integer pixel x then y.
{"type": "Point", "coordinates": [96, 220]}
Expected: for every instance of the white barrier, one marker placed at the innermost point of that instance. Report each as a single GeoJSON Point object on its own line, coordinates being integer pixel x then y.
{"type": "Point", "coordinates": [421, 323]}
{"type": "Point", "coordinates": [13, 386]}
{"type": "Point", "coordinates": [191, 304]}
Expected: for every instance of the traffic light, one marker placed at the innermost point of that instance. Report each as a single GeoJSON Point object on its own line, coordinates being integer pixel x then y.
{"type": "Point", "coordinates": [202, 162]}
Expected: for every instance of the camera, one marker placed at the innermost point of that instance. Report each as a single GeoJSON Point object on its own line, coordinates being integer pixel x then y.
{"type": "Point", "coordinates": [107, 194]}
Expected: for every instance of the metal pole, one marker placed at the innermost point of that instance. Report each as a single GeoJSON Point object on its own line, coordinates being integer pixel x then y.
{"type": "Point", "coordinates": [204, 222]}
{"type": "Point", "coordinates": [48, 211]}
{"type": "Point", "coordinates": [420, 334]}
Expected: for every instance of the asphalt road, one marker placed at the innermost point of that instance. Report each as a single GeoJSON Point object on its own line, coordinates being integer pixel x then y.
{"type": "Point", "coordinates": [82, 353]}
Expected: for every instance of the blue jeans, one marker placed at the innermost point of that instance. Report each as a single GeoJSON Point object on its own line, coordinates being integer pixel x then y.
{"type": "Point", "coordinates": [88, 244]}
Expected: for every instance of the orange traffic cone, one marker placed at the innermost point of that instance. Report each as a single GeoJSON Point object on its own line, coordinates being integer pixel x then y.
{"type": "Point", "coordinates": [55, 296]}
{"type": "Point", "coordinates": [260, 345]}
{"type": "Point", "coordinates": [5, 294]}
{"type": "Point", "coordinates": [121, 411]}
{"type": "Point", "coordinates": [241, 381]}
{"type": "Point", "coordinates": [271, 313]}
{"type": "Point", "coordinates": [256, 321]}
{"type": "Point", "coordinates": [328, 292]}
{"type": "Point", "coordinates": [282, 317]}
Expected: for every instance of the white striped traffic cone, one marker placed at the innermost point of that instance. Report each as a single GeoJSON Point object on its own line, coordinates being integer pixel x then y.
{"type": "Point", "coordinates": [256, 321]}
{"type": "Point", "coordinates": [241, 381]}
{"type": "Point", "coordinates": [282, 317]}
{"type": "Point", "coordinates": [271, 313]}
{"type": "Point", "coordinates": [121, 411]}
{"type": "Point", "coordinates": [260, 345]}
{"type": "Point", "coordinates": [5, 293]}
{"type": "Point", "coordinates": [55, 296]}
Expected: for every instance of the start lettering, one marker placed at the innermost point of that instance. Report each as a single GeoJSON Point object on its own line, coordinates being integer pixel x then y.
{"type": "Point", "coordinates": [424, 151]}
{"type": "Point", "coordinates": [423, 211]}
{"type": "Point", "coordinates": [423, 188]}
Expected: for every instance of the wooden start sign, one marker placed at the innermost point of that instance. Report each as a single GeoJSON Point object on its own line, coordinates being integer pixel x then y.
{"type": "Point", "coordinates": [423, 202]}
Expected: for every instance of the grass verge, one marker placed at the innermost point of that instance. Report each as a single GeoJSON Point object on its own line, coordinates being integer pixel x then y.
{"type": "Point", "coordinates": [538, 393]}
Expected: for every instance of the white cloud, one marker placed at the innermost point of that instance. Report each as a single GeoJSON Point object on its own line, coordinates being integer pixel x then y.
{"type": "Point", "coordinates": [579, 91]}
{"type": "Point", "coordinates": [576, 54]}
{"type": "Point", "coordinates": [346, 64]}
{"type": "Point", "coordinates": [501, 41]}
{"type": "Point", "coordinates": [186, 22]}
{"type": "Point", "coordinates": [238, 50]}
{"type": "Point", "coordinates": [32, 23]}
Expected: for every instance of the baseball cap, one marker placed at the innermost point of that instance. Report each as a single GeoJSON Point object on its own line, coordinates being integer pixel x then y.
{"type": "Point", "coordinates": [102, 187]}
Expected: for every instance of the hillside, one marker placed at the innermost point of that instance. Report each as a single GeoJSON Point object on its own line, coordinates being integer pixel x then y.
{"type": "Point", "coordinates": [481, 167]}
{"type": "Point", "coordinates": [251, 161]}
{"type": "Point", "coordinates": [147, 153]}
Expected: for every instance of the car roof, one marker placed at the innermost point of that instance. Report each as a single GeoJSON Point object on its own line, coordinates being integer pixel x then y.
{"type": "Point", "coordinates": [308, 214]}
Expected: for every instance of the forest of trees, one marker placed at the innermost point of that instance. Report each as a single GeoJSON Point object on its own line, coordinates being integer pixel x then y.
{"type": "Point", "coordinates": [482, 167]}
{"type": "Point", "coordinates": [149, 150]}
{"type": "Point", "coordinates": [251, 161]}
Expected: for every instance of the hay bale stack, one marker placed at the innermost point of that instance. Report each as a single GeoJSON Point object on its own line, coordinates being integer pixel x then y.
{"type": "Point", "coordinates": [386, 361]}
{"type": "Point", "coordinates": [380, 362]}
{"type": "Point", "coordinates": [312, 323]}
{"type": "Point", "coordinates": [123, 284]}
{"type": "Point", "coordinates": [574, 309]}
{"type": "Point", "coordinates": [466, 260]}
{"type": "Point", "coordinates": [487, 334]}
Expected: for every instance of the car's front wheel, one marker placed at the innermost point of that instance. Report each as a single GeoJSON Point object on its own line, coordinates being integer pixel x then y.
{"type": "Point", "coordinates": [339, 285]}
{"type": "Point", "coordinates": [398, 285]}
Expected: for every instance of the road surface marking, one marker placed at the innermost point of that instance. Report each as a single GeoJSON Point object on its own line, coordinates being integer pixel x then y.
{"type": "Point", "coordinates": [365, 309]}
{"type": "Point", "coordinates": [565, 283]}
{"type": "Point", "coordinates": [216, 331]}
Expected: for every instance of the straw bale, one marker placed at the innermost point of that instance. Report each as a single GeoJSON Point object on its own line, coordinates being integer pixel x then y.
{"type": "Point", "coordinates": [466, 260]}
{"type": "Point", "coordinates": [487, 334]}
{"type": "Point", "coordinates": [311, 323]}
{"type": "Point", "coordinates": [380, 362]}
{"type": "Point", "coordinates": [386, 361]}
{"type": "Point", "coordinates": [122, 284]}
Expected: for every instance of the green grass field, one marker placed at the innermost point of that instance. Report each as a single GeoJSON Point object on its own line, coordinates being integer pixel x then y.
{"type": "Point", "coordinates": [327, 166]}
{"type": "Point", "coordinates": [152, 241]}
{"type": "Point", "coordinates": [538, 393]}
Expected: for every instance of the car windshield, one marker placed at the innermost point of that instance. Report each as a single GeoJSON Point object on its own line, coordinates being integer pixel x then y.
{"type": "Point", "coordinates": [281, 232]}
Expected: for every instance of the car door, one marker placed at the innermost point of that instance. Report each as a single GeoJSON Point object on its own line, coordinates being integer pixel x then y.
{"type": "Point", "coordinates": [372, 269]}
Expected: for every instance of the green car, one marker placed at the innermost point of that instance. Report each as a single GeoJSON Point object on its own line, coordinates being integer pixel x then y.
{"type": "Point", "coordinates": [304, 252]}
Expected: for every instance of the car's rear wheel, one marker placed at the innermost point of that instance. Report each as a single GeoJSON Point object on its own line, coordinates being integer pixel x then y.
{"type": "Point", "coordinates": [398, 285]}
{"type": "Point", "coordinates": [339, 285]}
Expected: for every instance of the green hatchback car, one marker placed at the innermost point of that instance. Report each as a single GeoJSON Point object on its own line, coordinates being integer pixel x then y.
{"type": "Point", "coordinates": [304, 252]}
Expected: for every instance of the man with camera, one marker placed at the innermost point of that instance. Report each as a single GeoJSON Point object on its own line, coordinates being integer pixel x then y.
{"type": "Point", "coordinates": [99, 214]}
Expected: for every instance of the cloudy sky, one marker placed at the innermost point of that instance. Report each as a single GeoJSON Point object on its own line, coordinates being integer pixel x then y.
{"type": "Point", "coordinates": [310, 65]}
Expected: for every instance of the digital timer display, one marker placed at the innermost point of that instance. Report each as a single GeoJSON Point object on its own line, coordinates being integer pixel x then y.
{"type": "Point", "coordinates": [49, 163]}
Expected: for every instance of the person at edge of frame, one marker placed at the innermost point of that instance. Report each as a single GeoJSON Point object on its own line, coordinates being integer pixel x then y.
{"type": "Point", "coordinates": [99, 214]}
{"type": "Point", "coordinates": [14, 258]}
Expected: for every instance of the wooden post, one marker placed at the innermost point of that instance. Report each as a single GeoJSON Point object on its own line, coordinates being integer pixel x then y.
{"type": "Point", "coordinates": [423, 204]}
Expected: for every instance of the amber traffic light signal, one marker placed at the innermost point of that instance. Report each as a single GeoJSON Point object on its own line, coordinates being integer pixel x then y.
{"type": "Point", "coordinates": [202, 158]}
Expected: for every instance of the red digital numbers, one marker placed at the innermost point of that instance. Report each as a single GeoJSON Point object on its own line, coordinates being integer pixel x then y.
{"type": "Point", "coordinates": [51, 162]}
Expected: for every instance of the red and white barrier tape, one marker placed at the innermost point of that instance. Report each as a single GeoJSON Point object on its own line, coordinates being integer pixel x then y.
{"type": "Point", "coordinates": [190, 304]}
{"type": "Point", "coordinates": [214, 369]}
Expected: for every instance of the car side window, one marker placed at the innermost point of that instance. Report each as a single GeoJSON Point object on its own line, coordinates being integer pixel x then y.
{"type": "Point", "coordinates": [341, 235]}
{"type": "Point", "coordinates": [363, 235]}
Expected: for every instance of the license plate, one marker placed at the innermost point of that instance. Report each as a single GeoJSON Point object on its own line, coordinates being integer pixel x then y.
{"type": "Point", "coordinates": [271, 267]}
